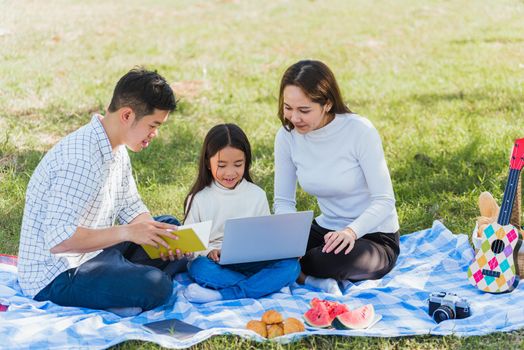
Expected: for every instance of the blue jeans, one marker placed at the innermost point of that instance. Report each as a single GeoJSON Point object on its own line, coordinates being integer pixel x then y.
{"type": "Point", "coordinates": [249, 280]}
{"type": "Point", "coordinates": [120, 276]}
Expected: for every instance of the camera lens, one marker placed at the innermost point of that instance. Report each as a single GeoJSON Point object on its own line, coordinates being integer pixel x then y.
{"type": "Point", "coordinates": [443, 313]}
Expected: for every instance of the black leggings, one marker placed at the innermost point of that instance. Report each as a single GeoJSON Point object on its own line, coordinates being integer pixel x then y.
{"type": "Point", "coordinates": [373, 256]}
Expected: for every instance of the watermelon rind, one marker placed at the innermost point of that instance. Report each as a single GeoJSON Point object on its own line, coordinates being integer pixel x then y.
{"type": "Point", "coordinates": [359, 318]}
{"type": "Point", "coordinates": [327, 325]}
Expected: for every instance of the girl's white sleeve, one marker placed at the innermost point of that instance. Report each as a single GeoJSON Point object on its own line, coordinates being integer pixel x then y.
{"type": "Point", "coordinates": [262, 208]}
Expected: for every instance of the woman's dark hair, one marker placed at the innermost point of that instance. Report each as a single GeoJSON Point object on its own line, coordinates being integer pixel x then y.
{"type": "Point", "coordinates": [219, 137]}
{"type": "Point", "coordinates": [143, 91]}
{"type": "Point", "coordinates": [317, 82]}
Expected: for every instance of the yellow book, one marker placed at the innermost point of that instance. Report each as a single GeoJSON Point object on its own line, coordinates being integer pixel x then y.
{"type": "Point", "coordinates": [191, 238]}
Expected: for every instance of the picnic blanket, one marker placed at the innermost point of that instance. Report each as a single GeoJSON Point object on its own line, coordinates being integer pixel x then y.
{"type": "Point", "coordinates": [430, 260]}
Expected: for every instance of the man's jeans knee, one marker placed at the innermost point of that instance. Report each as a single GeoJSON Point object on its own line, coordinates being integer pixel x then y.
{"type": "Point", "coordinates": [108, 280]}
{"type": "Point", "coordinates": [120, 276]}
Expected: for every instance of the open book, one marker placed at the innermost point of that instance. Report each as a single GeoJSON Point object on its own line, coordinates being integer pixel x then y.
{"type": "Point", "coordinates": [191, 238]}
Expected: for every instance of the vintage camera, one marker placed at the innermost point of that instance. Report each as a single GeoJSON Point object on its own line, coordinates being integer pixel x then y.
{"type": "Point", "coordinates": [447, 306]}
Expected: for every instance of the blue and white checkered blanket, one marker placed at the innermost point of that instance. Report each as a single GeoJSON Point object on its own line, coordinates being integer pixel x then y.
{"type": "Point", "coordinates": [430, 260]}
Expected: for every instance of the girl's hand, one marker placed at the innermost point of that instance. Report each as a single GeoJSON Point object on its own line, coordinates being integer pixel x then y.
{"type": "Point", "coordinates": [170, 256]}
{"type": "Point", "coordinates": [214, 255]}
{"type": "Point", "coordinates": [344, 239]}
{"type": "Point", "coordinates": [178, 255]}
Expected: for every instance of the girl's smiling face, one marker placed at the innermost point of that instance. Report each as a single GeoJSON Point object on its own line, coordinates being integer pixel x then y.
{"type": "Point", "coordinates": [227, 166]}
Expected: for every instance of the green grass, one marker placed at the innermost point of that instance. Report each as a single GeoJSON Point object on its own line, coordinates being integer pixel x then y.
{"type": "Point", "coordinates": [443, 81]}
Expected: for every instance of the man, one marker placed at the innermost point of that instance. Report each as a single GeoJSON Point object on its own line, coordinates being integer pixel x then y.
{"type": "Point", "coordinates": [71, 252]}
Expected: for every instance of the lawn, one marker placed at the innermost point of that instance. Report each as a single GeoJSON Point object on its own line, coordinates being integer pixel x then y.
{"type": "Point", "coordinates": [443, 82]}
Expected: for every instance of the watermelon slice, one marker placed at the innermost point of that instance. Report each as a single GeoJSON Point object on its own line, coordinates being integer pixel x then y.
{"type": "Point", "coordinates": [318, 316]}
{"type": "Point", "coordinates": [338, 309]}
{"type": "Point", "coordinates": [334, 308]}
{"type": "Point", "coordinates": [357, 319]}
{"type": "Point", "coordinates": [323, 312]}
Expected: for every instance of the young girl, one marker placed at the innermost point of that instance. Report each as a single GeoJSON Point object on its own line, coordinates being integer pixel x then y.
{"type": "Point", "coordinates": [224, 190]}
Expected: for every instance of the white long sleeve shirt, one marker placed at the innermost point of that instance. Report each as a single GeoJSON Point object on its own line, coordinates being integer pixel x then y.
{"type": "Point", "coordinates": [219, 203]}
{"type": "Point", "coordinates": [342, 164]}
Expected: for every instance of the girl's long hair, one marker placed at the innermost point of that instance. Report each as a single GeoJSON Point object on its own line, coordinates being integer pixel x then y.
{"type": "Point", "coordinates": [219, 137]}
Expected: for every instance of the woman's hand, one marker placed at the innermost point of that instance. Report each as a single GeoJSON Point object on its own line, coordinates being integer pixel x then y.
{"type": "Point", "coordinates": [214, 255]}
{"type": "Point", "coordinates": [344, 239]}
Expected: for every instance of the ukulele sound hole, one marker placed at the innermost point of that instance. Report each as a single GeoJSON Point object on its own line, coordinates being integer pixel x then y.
{"type": "Point", "coordinates": [497, 246]}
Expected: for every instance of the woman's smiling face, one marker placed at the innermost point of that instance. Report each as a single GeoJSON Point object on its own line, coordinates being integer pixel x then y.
{"type": "Point", "coordinates": [302, 112]}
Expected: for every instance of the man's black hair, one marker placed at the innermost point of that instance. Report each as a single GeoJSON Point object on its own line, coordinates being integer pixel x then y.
{"type": "Point", "coordinates": [143, 91]}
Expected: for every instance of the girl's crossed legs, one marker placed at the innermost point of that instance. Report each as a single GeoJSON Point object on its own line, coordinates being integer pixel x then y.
{"type": "Point", "coordinates": [235, 281]}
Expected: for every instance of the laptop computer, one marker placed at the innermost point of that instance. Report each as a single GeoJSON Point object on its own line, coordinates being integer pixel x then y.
{"type": "Point", "coordinates": [262, 238]}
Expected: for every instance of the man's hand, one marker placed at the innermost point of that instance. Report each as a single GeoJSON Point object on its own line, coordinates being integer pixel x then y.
{"type": "Point", "coordinates": [344, 239]}
{"type": "Point", "coordinates": [150, 232]}
{"type": "Point", "coordinates": [142, 230]}
{"type": "Point", "coordinates": [214, 255]}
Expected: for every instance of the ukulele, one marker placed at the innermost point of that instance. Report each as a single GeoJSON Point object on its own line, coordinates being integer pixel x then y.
{"type": "Point", "coordinates": [494, 269]}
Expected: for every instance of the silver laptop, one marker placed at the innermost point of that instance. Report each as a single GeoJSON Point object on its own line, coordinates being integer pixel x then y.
{"type": "Point", "coordinates": [263, 238]}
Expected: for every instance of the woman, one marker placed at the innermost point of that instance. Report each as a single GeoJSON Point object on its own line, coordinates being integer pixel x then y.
{"type": "Point", "coordinates": [337, 157]}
